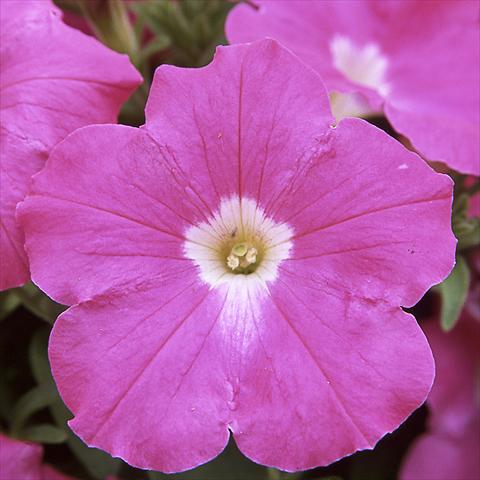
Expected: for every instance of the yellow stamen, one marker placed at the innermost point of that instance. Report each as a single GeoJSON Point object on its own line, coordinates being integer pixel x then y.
{"type": "Point", "coordinates": [241, 257]}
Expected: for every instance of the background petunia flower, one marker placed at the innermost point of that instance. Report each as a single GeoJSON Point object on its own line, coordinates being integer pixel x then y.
{"type": "Point", "coordinates": [450, 449]}
{"type": "Point", "coordinates": [238, 264]}
{"type": "Point", "coordinates": [24, 461]}
{"type": "Point", "coordinates": [54, 80]}
{"type": "Point", "coordinates": [474, 206]}
{"type": "Point", "coordinates": [416, 60]}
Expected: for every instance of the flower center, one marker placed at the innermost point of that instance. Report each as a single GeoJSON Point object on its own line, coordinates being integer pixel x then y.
{"type": "Point", "coordinates": [238, 241]}
{"type": "Point", "coordinates": [363, 65]}
{"type": "Point", "coordinates": [242, 258]}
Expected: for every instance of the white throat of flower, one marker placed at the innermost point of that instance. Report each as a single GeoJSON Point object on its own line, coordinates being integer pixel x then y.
{"type": "Point", "coordinates": [363, 65]}
{"type": "Point", "coordinates": [238, 244]}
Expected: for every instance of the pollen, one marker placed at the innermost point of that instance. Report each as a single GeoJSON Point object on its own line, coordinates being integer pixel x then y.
{"type": "Point", "coordinates": [242, 258]}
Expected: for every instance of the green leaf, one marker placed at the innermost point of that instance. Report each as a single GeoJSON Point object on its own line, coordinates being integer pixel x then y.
{"type": "Point", "coordinates": [465, 227]}
{"type": "Point", "coordinates": [111, 25]}
{"type": "Point", "coordinates": [468, 233]}
{"type": "Point", "coordinates": [98, 464]}
{"type": "Point", "coordinates": [8, 303]}
{"type": "Point", "coordinates": [229, 465]}
{"type": "Point", "coordinates": [161, 42]}
{"type": "Point", "coordinates": [34, 400]}
{"type": "Point", "coordinates": [193, 27]}
{"type": "Point", "coordinates": [274, 474]}
{"type": "Point", "coordinates": [453, 291]}
{"type": "Point", "coordinates": [43, 433]}
{"type": "Point", "coordinates": [38, 356]}
{"type": "Point", "coordinates": [38, 303]}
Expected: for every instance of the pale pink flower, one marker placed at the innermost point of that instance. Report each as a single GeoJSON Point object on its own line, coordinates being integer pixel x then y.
{"type": "Point", "coordinates": [450, 450]}
{"type": "Point", "coordinates": [417, 60]}
{"type": "Point", "coordinates": [474, 206]}
{"type": "Point", "coordinates": [54, 79]}
{"type": "Point", "coordinates": [238, 265]}
{"type": "Point", "coordinates": [24, 461]}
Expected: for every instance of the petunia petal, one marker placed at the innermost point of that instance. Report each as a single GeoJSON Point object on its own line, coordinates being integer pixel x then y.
{"type": "Point", "coordinates": [20, 460]}
{"type": "Point", "coordinates": [45, 94]}
{"type": "Point", "coordinates": [437, 106]}
{"type": "Point", "coordinates": [152, 388]}
{"type": "Point", "coordinates": [153, 336]}
{"type": "Point", "coordinates": [436, 457]}
{"type": "Point", "coordinates": [292, 22]}
{"type": "Point", "coordinates": [137, 204]}
{"type": "Point", "coordinates": [430, 52]}
{"type": "Point", "coordinates": [363, 234]}
{"type": "Point", "coordinates": [193, 139]}
{"type": "Point", "coordinates": [358, 374]}
{"type": "Point", "coordinates": [23, 461]}
{"type": "Point", "coordinates": [210, 119]}
{"type": "Point", "coordinates": [450, 447]}
{"type": "Point", "coordinates": [452, 401]}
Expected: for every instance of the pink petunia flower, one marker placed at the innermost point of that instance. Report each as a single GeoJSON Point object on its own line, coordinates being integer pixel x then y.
{"type": "Point", "coordinates": [24, 461]}
{"type": "Point", "coordinates": [54, 79]}
{"type": "Point", "coordinates": [474, 206]}
{"type": "Point", "coordinates": [451, 448]}
{"type": "Point", "coordinates": [419, 61]}
{"type": "Point", "coordinates": [21, 460]}
{"type": "Point", "coordinates": [238, 265]}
